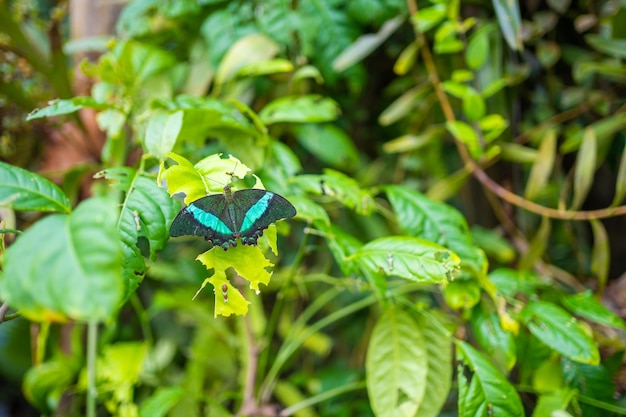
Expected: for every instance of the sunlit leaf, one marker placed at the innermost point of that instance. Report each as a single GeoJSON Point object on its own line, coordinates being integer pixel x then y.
{"type": "Point", "coordinates": [162, 131]}
{"type": "Point", "coordinates": [300, 109]}
{"type": "Point", "coordinates": [396, 365]}
{"type": "Point", "coordinates": [585, 168]}
{"type": "Point", "coordinates": [510, 23]}
{"type": "Point", "coordinates": [588, 307]}
{"type": "Point", "coordinates": [560, 331]}
{"type": "Point", "coordinates": [24, 191]}
{"type": "Point", "coordinates": [70, 258]}
{"type": "Point", "coordinates": [542, 167]}
{"type": "Point", "coordinates": [246, 51]}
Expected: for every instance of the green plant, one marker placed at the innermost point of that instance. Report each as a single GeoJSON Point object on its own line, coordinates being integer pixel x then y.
{"type": "Point", "coordinates": [377, 286]}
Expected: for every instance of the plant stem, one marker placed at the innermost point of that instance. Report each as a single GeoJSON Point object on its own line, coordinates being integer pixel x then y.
{"type": "Point", "coordinates": [92, 340]}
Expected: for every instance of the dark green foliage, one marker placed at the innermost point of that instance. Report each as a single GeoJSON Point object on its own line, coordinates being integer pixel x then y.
{"type": "Point", "coordinates": [458, 170]}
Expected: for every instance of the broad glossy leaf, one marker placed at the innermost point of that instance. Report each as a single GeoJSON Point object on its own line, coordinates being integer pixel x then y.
{"type": "Point", "coordinates": [561, 331]}
{"type": "Point", "coordinates": [600, 254]}
{"type": "Point", "coordinates": [70, 258]}
{"type": "Point", "coordinates": [510, 23]}
{"type": "Point", "coordinates": [396, 365]}
{"type": "Point", "coordinates": [410, 258]}
{"type": "Point", "coordinates": [329, 144]}
{"type": "Point", "coordinates": [510, 282]}
{"type": "Point", "coordinates": [585, 168]}
{"type": "Point", "coordinates": [342, 244]}
{"type": "Point", "coordinates": [340, 187]}
{"type": "Point", "coordinates": [248, 50]}
{"type": "Point", "coordinates": [483, 390]}
{"type": "Point", "coordinates": [162, 131]}
{"type": "Point", "coordinates": [147, 211]}
{"type": "Point", "coordinates": [542, 167]}
{"type": "Point", "coordinates": [23, 190]}
{"type": "Point", "coordinates": [310, 108]}
{"type": "Point", "coordinates": [309, 210]}
{"type": "Point", "coordinates": [438, 222]}
{"type": "Point", "coordinates": [494, 244]}
{"type": "Point", "coordinates": [497, 343]}
{"type": "Point", "coordinates": [439, 366]}
{"type": "Point", "coordinates": [588, 307]}
{"type": "Point", "coordinates": [366, 44]}
{"type": "Point", "coordinates": [66, 106]}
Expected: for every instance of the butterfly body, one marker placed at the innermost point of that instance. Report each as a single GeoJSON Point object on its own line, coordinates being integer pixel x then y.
{"type": "Point", "coordinates": [224, 218]}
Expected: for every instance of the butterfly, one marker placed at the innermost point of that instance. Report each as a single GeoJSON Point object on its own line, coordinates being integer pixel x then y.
{"type": "Point", "coordinates": [223, 218]}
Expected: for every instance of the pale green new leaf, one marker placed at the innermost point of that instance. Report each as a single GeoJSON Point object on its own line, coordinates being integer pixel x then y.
{"type": "Point", "coordinates": [464, 133]}
{"type": "Point", "coordinates": [67, 266]}
{"type": "Point", "coordinates": [410, 258]}
{"type": "Point", "coordinates": [483, 390]}
{"type": "Point", "coordinates": [601, 253]}
{"type": "Point", "coordinates": [248, 50]}
{"type": "Point", "coordinates": [542, 167]}
{"type": "Point", "coordinates": [23, 190]}
{"type": "Point", "coordinates": [439, 366]}
{"type": "Point", "coordinates": [396, 365]}
{"type": "Point", "coordinates": [66, 106]}
{"type": "Point", "coordinates": [620, 181]}
{"type": "Point", "coordinates": [310, 108]}
{"type": "Point", "coordinates": [585, 168]}
{"type": "Point", "coordinates": [162, 131]}
{"type": "Point", "coordinates": [559, 330]}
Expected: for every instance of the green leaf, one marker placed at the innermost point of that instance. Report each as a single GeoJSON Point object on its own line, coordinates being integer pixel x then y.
{"type": "Point", "coordinates": [24, 191]}
{"type": "Point", "coordinates": [478, 48]}
{"type": "Point", "coordinates": [620, 181]}
{"type": "Point", "coordinates": [46, 382]}
{"type": "Point", "coordinates": [550, 403]}
{"type": "Point", "coordinates": [248, 263]}
{"type": "Point", "coordinates": [429, 17]}
{"type": "Point", "coordinates": [147, 211]}
{"type": "Point", "coordinates": [410, 258]}
{"type": "Point", "coordinates": [494, 244]}
{"type": "Point", "coordinates": [542, 167]}
{"type": "Point", "coordinates": [483, 390]}
{"type": "Point", "coordinates": [510, 23]}
{"type": "Point", "coordinates": [66, 106]}
{"type": "Point", "coordinates": [403, 105]}
{"type": "Point", "coordinates": [511, 282]}
{"type": "Point", "coordinates": [162, 131]}
{"type": "Point", "coordinates": [537, 245]}
{"type": "Point", "coordinates": [465, 133]}
{"type": "Point", "coordinates": [408, 57]}
{"type": "Point", "coordinates": [342, 244]}
{"type": "Point", "coordinates": [473, 105]}
{"type": "Point", "coordinates": [340, 187]}
{"type": "Point", "coordinates": [366, 44]}
{"type": "Point", "coordinates": [438, 222]}
{"type": "Point", "coordinates": [272, 66]}
{"type": "Point", "coordinates": [587, 306]}
{"type": "Point", "coordinates": [600, 254]}
{"type": "Point", "coordinates": [559, 330]}
{"type": "Point", "coordinates": [328, 143]}
{"type": "Point", "coordinates": [310, 108]}
{"type": "Point", "coordinates": [161, 401]}
{"type": "Point", "coordinates": [71, 259]}
{"type": "Point", "coordinates": [462, 293]}
{"type": "Point", "coordinates": [248, 50]}
{"type": "Point", "coordinates": [585, 168]}
{"type": "Point", "coordinates": [396, 365]}
{"type": "Point", "coordinates": [309, 210]}
{"type": "Point", "coordinates": [439, 366]}
{"type": "Point", "coordinates": [613, 47]}
{"type": "Point", "coordinates": [497, 343]}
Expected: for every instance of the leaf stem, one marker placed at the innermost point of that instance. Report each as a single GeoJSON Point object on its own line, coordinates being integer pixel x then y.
{"type": "Point", "coordinates": [92, 340]}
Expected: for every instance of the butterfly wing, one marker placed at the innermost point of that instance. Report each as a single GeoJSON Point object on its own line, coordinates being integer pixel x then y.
{"type": "Point", "coordinates": [206, 217]}
{"type": "Point", "coordinates": [256, 210]}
